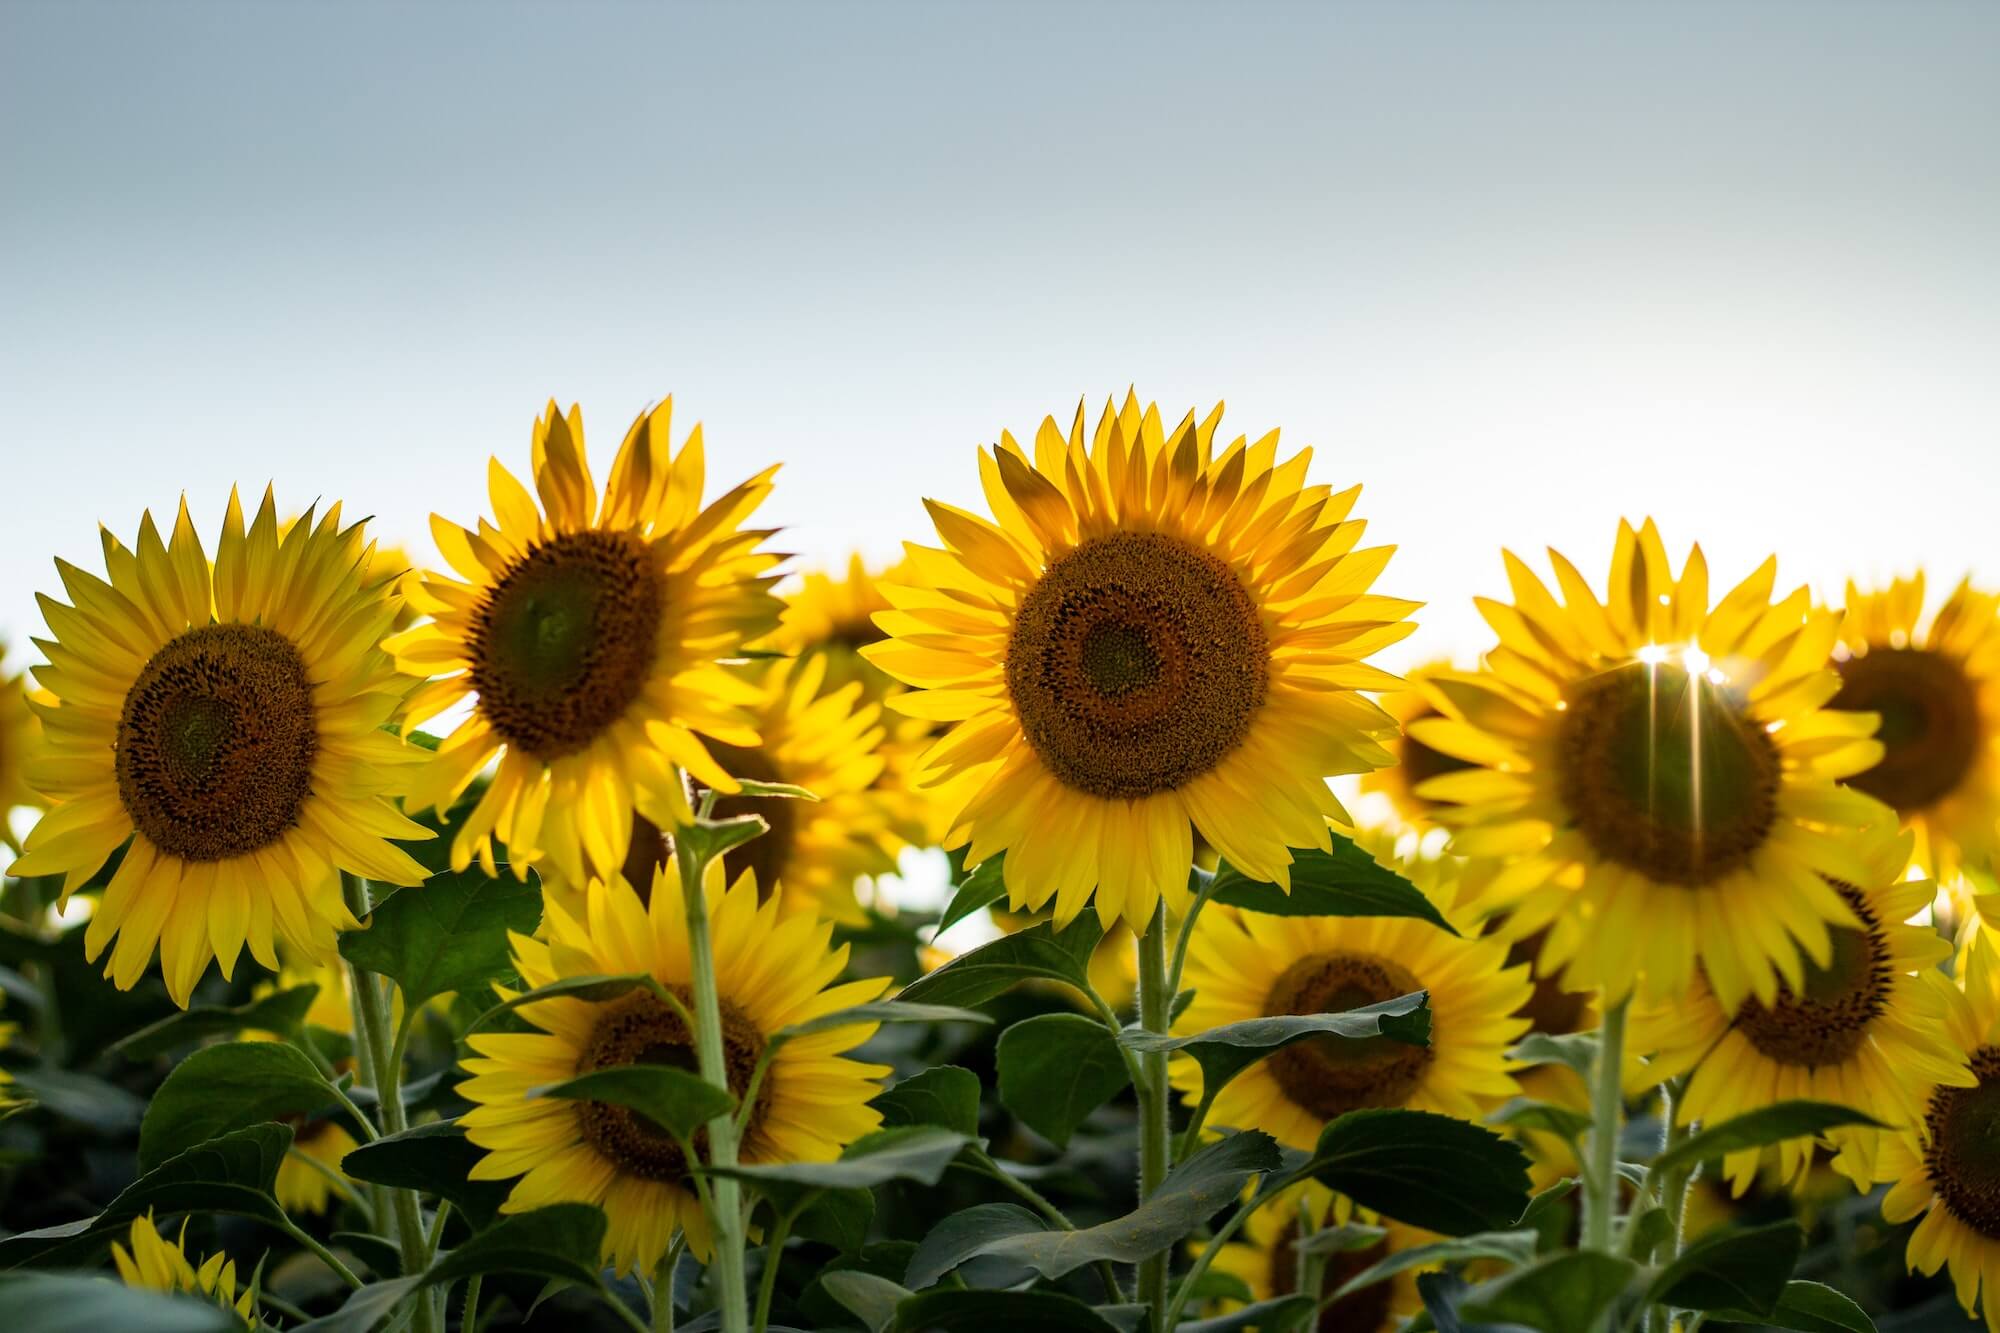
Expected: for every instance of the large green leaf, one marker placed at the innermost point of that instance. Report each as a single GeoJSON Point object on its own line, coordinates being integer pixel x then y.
{"type": "Point", "coordinates": [871, 1299]}
{"type": "Point", "coordinates": [1346, 881]}
{"type": "Point", "coordinates": [434, 1159]}
{"type": "Point", "coordinates": [1809, 1307]}
{"type": "Point", "coordinates": [1760, 1128]}
{"type": "Point", "coordinates": [1573, 1050]}
{"type": "Point", "coordinates": [946, 1311]}
{"type": "Point", "coordinates": [838, 1218]}
{"type": "Point", "coordinates": [364, 1308]}
{"type": "Point", "coordinates": [1280, 1312]}
{"type": "Point", "coordinates": [982, 888]}
{"type": "Point", "coordinates": [450, 934]}
{"type": "Point", "coordinates": [561, 1242]}
{"type": "Point", "coordinates": [1560, 1294]}
{"type": "Point", "coordinates": [231, 1174]}
{"type": "Point", "coordinates": [942, 1095]}
{"type": "Point", "coordinates": [1743, 1268]}
{"type": "Point", "coordinates": [964, 1235]}
{"type": "Point", "coordinates": [674, 1099]}
{"type": "Point", "coordinates": [283, 1012]}
{"type": "Point", "coordinates": [220, 1088]}
{"type": "Point", "coordinates": [1513, 1248]}
{"type": "Point", "coordinates": [65, 1303]}
{"type": "Point", "coordinates": [1055, 1069]}
{"type": "Point", "coordinates": [1038, 952]}
{"type": "Point", "coordinates": [105, 1107]}
{"type": "Point", "coordinates": [1430, 1170]}
{"type": "Point", "coordinates": [1227, 1051]}
{"type": "Point", "coordinates": [920, 1153]}
{"type": "Point", "coordinates": [1546, 1117]}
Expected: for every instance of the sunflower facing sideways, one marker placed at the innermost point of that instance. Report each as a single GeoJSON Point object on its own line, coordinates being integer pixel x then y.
{"type": "Point", "coordinates": [1267, 1264]}
{"type": "Point", "coordinates": [158, 1264]}
{"type": "Point", "coordinates": [1867, 1030]}
{"type": "Point", "coordinates": [772, 970]}
{"type": "Point", "coordinates": [1147, 640]}
{"type": "Point", "coordinates": [1661, 778]}
{"type": "Point", "coordinates": [1415, 763]}
{"type": "Point", "coordinates": [589, 636]}
{"type": "Point", "coordinates": [227, 724]}
{"type": "Point", "coordinates": [1936, 687]}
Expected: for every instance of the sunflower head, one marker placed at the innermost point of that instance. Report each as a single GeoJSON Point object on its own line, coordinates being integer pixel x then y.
{"type": "Point", "coordinates": [1146, 639]}
{"type": "Point", "coordinates": [1415, 762]}
{"type": "Point", "coordinates": [590, 634]}
{"type": "Point", "coordinates": [158, 1264]}
{"type": "Point", "coordinates": [1935, 683]}
{"type": "Point", "coordinates": [832, 616]}
{"type": "Point", "coordinates": [19, 735]}
{"type": "Point", "coordinates": [772, 970]}
{"type": "Point", "coordinates": [227, 723]}
{"type": "Point", "coordinates": [1267, 1260]}
{"type": "Point", "coordinates": [1657, 777]}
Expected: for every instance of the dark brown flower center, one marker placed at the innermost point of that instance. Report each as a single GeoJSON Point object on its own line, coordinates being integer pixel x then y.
{"type": "Point", "coordinates": [1330, 1075]}
{"type": "Point", "coordinates": [1930, 730]}
{"type": "Point", "coordinates": [1963, 1157]}
{"type": "Point", "coordinates": [640, 1030]}
{"type": "Point", "coordinates": [1827, 1023]}
{"type": "Point", "coordinates": [1136, 664]}
{"type": "Point", "coordinates": [1362, 1312]}
{"type": "Point", "coordinates": [769, 852]}
{"type": "Point", "coordinates": [1550, 1009]}
{"type": "Point", "coordinates": [1665, 772]}
{"type": "Point", "coordinates": [216, 742]}
{"type": "Point", "coordinates": [564, 641]}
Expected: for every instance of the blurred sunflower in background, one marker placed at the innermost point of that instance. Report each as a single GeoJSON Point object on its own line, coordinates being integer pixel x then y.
{"type": "Point", "coordinates": [1266, 1262]}
{"type": "Point", "coordinates": [1145, 640]}
{"type": "Point", "coordinates": [1868, 1029]}
{"type": "Point", "coordinates": [590, 638]}
{"type": "Point", "coordinates": [19, 734]}
{"type": "Point", "coordinates": [158, 1264]}
{"type": "Point", "coordinates": [228, 724]}
{"type": "Point", "coordinates": [1415, 762]}
{"type": "Point", "coordinates": [832, 616]}
{"type": "Point", "coordinates": [772, 970]}
{"type": "Point", "coordinates": [1661, 778]}
{"type": "Point", "coordinates": [309, 1178]}
{"type": "Point", "coordinates": [1936, 687]}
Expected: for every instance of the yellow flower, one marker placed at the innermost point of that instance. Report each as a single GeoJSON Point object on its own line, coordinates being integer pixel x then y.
{"type": "Point", "coordinates": [1937, 690]}
{"type": "Point", "coordinates": [772, 970]}
{"type": "Point", "coordinates": [158, 1264]}
{"type": "Point", "coordinates": [18, 736]}
{"type": "Point", "coordinates": [303, 1187]}
{"type": "Point", "coordinates": [1660, 778]}
{"type": "Point", "coordinates": [590, 638]}
{"type": "Point", "coordinates": [1867, 1030]}
{"type": "Point", "coordinates": [833, 618]}
{"type": "Point", "coordinates": [1269, 1266]}
{"type": "Point", "coordinates": [1244, 965]}
{"type": "Point", "coordinates": [1148, 640]}
{"type": "Point", "coordinates": [228, 723]}
{"type": "Point", "coordinates": [1415, 763]}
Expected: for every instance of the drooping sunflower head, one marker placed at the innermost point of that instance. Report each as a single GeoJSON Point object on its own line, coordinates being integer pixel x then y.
{"type": "Point", "coordinates": [1936, 687]}
{"type": "Point", "coordinates": [1415, 762]}
{"type": "Point", "coordinates": [1244, 965]}
{"type": "Point", "coordinates": [1145, 640]}
{"type": "Point", "coordinates": [227, 722]}
{"type": "Point", "coordinates": [158, 1264]}
{"type": "Point", "coordinates": [1868, 1028]}
{"type": "Point", "coordinates": [1659, 777]}
{"type": "Point", "coordinates": [772, 969]}
{"type": "Point", "coordinates": [590, 636]}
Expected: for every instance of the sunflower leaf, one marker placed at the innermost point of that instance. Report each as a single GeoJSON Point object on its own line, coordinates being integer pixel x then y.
{"type": "Point", "coordinates": [561, 1241]}
{"type": "Point", "coordinates": [450, 934]}
{"type": "Point", "coordinates": [710, 838]}
{"type": "Point", "coordinates": [943, 1095]}
{"type": "Point", "coordinates": [64, 1303]}
{"type": "Point", "coordinates": [226, 1087]}
{"type": "Point", "coordinates": [1227, 1051]}
{"type": "Point", "coordinates": [982, 888]}
{"type": "Point", "coordinates": [871, 1299]}
{"type": "Point", "coordinates": [1513, 1248]}
{"type": "Point", "coordinates": [1809, 1307]}
{"type": "Point", "coordinates": [786, 790]}
{"type": "Point", "coordinates": [964, 1235]}
{"type": "Point", "coordinates": [606, 987]}
{"type": "Point", "coordinates": [1575, 1050]}
{"type": "Point", "coordinates": [105, 1107]}
{"type": "Point", "coordinates": [436, 1159]}
{"type": "Point", "coordinates": [1743, 1268]}
{"type": "Point", "coordinates": [1563, 1291]}
{"type": "Point", "coordinates": [1346, 881]}
{"type": "Point", "coordinates": [1055, 1069]}
{"type": "Point", "coordinates": [1760, 1128]}
{"type": "Point", "coordinates": [949, 1311]}
{"type": "Point", "coordinates": [920, 1153]}
{"type": "Point", "coordinates": [1037, 952]}
{"type": "Point", "coordinates": [1544, 1117]}
{"type": "Point", "coordinates": [364, 1308]}
{"type": "Point", "coordinates": [677, 1101]}
{"type": "Point", "coordinates": [1343, 1239]}
{"type": "Point", "coordinates": [1280, 1312]}
{"type": "Point", "coordinates": [1430, 1170]}
{"type": "Point", "coordinates": [283, 1012]}
{"type": "Point", "coordinates": [881, 1011]}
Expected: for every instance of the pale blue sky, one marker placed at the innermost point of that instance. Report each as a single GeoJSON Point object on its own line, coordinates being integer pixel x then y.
{"type": "Point", "coordinates": [1519, 268]}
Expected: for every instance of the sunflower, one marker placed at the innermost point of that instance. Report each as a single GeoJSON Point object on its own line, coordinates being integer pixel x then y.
{"type": "Point", "coordinates": [1937, 690]}
{"type": "Point", "coordinates": [1244, 965]}
{"type": "Point", "coordinates": [158, 1264]}
{"type": "Point", "coordinates": [832, 616]}
{"type": "Point", "coordinates": [228, 724]}
{"type": "Point", "coordinates": [310, 1175]}
{"type": "Point", "coordinates": [1660, 778]}
{"type": "Point", "coordinates": [589, 637]}
{"type": "Point", "coordinates": [17, 740]}
{"type": "Point", "coordinates": [1945, 1165]}
{"type": "Point", "coordinates": [1866, 1030]}
{"type": "Point", "coordinates": [1266, 1262]}
{"type": "Point", "coordinates": [1149, 640]}
{"type": "Point", "coordinates": [1415, 763]}
{"type": "Point", "coordinates": [770, 967]}
{"type": "Point", "coordinates": [8, 1101]}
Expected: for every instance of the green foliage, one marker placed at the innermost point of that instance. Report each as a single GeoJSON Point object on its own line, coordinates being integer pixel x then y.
{"type": "Point", "coordinates": [675, 1100]}
{"type": "Point", "coordinates": [945, 1311]}
{"type": "Point", "coordinates": [450, 934]}
{"type": "Point", "coordinates": [220, 1088]}
{"type": "Point", "coordinates": [1758, 1129]}
{"type": "Point", "coordinates": [1055, 1069]}
{"type": "Point", "coordinates": [435, 1158]}
{"type": "Point", "coordinates": [945, 1095]}
{"type": "Point", "coordinates": [1227, 1051]}
{"type": "Point", "coordinates": [1345, 881]}
{"type": "Point", "coordinates": [62, 1303]}
{"type": "Point", "coordinates": [1425, 1169]}
{"type": "Point", "coordinates": [1039, 952]}
{"type": "Point", "coordinates": [1809, 1307]}
{"type": "Point", "coordinates": [1742, 1268]}
{"type": "Point", "coordinates": [980, 889]}
{"type": "Point", "coordinates": [1558, 1293]}
{"type": "Point", "coordinates": [282, 1012]}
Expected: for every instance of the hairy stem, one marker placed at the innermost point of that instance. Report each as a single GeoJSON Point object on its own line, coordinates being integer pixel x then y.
{"type": "Point", "coordinates": [1154, 1003]}
{"type": "Point", "coordinates": [1607, 1113]}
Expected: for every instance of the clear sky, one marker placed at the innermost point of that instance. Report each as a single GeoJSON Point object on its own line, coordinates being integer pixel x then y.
{"type": "Point", "coordinates": [1519, 268]}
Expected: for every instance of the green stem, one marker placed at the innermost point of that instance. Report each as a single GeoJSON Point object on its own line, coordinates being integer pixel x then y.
{"type": "Point", "coordinates": [1201, 897]}
{"type": "Point", "coordinates": [624, 1313]}
{"type": "Point", "coordinates": [334, 1178]}
{"type": "Point", "coordinates": [992, 1170]}
{"type": "Point", "coordinates": [774, 1250]}
{"type": "Point", "coordinates": [468, 1314]}
{"type": "Point", "coordinates": [325, 1256]}
{"type": "Point", "coordinates": [1607, 1111]}
{"type": "Point", "coordinates": [1154, 1003]}
{"type": "Point", "coordinates": [1207, 1256]}
{"type": "Point", "coordinates": [663, 1284]}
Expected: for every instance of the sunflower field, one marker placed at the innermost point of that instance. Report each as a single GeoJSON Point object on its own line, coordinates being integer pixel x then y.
{"type": "Point", "coordinates": [532, 939]}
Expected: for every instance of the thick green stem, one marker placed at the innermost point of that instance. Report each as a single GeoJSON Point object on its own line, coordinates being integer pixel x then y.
{"type": "Point", "coordinates": [1607, 1115]}
{"type": "Point", "coordinates": [468, 1314]}
{"type": "Point", "coordinates": [663, 1285]}
{"type": "Point", "coordinates": [1154, 1139]}
{"type": "Point", "coordinates": [774, 1252]}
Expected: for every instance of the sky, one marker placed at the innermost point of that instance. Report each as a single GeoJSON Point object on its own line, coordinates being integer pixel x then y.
{"type": "Point", "coordinates": [1519, 269]}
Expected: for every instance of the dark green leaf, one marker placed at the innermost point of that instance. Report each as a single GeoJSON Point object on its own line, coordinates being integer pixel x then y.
{"type": "Point", "coordinates": [1441, 1293]}
{"type": "Point", "coordinates": [450, 934]}
{"type": "Point", "coordinates": [63, 1303]}
{"type": "Point", "coordinates": [919, 1153]}
{"type": "Point", "coordinates": [1216, 1285]}
{"type": "Point", "coordinates": [1346, 881]}
{"type": "Point", "coordinates": [947, 1311]}
{"type": "Point", "coordinates": [1280, 1312]}
{"type": "Point", "coordinates": [1513, 1248]}
{"type": "Point", "coordinates": [1560, 1293]}
{"type": "Point", "coordinates": [282, 1012]}
{"type": "Point", "coordinates": [881, 1011]}
{"type": "Point", "coordinates": [1055, 1069]}
{"type": "Point", "coordinates": [964, 1235]}
{"type": "Point", "coordinates": [1430, 1170]}
{"type": "Point", "coordinates": [1227, 1051]}
{"type": "Point", "coordinates": [225, 1087]}
{"type": "Point", "coordinates": [379, 1253]}
{"type": "Point", "coordinates": [677, 1101]}
{"type": "Point", "coordinates": [576, 988]}
{"type": "Point", "coordinates": [1550, 1215]}
{"type": "Point", "coordinates": [1757, 1129]}
{"type": "Point", "coordinates": [365, 1308]}
{"type": "Point", "coordinates": [982, 888]}
{"type": "Point", "coordinates": [838, 1218]}
{"type": "Point", "coordinates": [105, 1107]}
{"type": "Point", "coordinates": [945, 1095]}
{"type": "Point", "coordinates": [1037, 952]}
{"type": "Point", "coordinates": [232, 1174]}
{"type": "Point", "coordinates": [1343, 1239]}
{"type": "Point", "coordinates": [710, 838]}
{"type": "Point", "coordinates": [1577, 1050]}
{"type": "Point", "coordinates": [1743, 1268]}
{"type": "Point", "coordinates": [873, 1300]}
{"type": "Point", "coordinates": [1647, 1232]}
{"type": "Point", "coordinates": [1808, 1307]}
{"type": "Point", "coordinates": [1545, 1117]}
{"type": "Point", "coordinates": [435, 1159]}
{"type": "Point", "coordinates": [561, 1241]}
